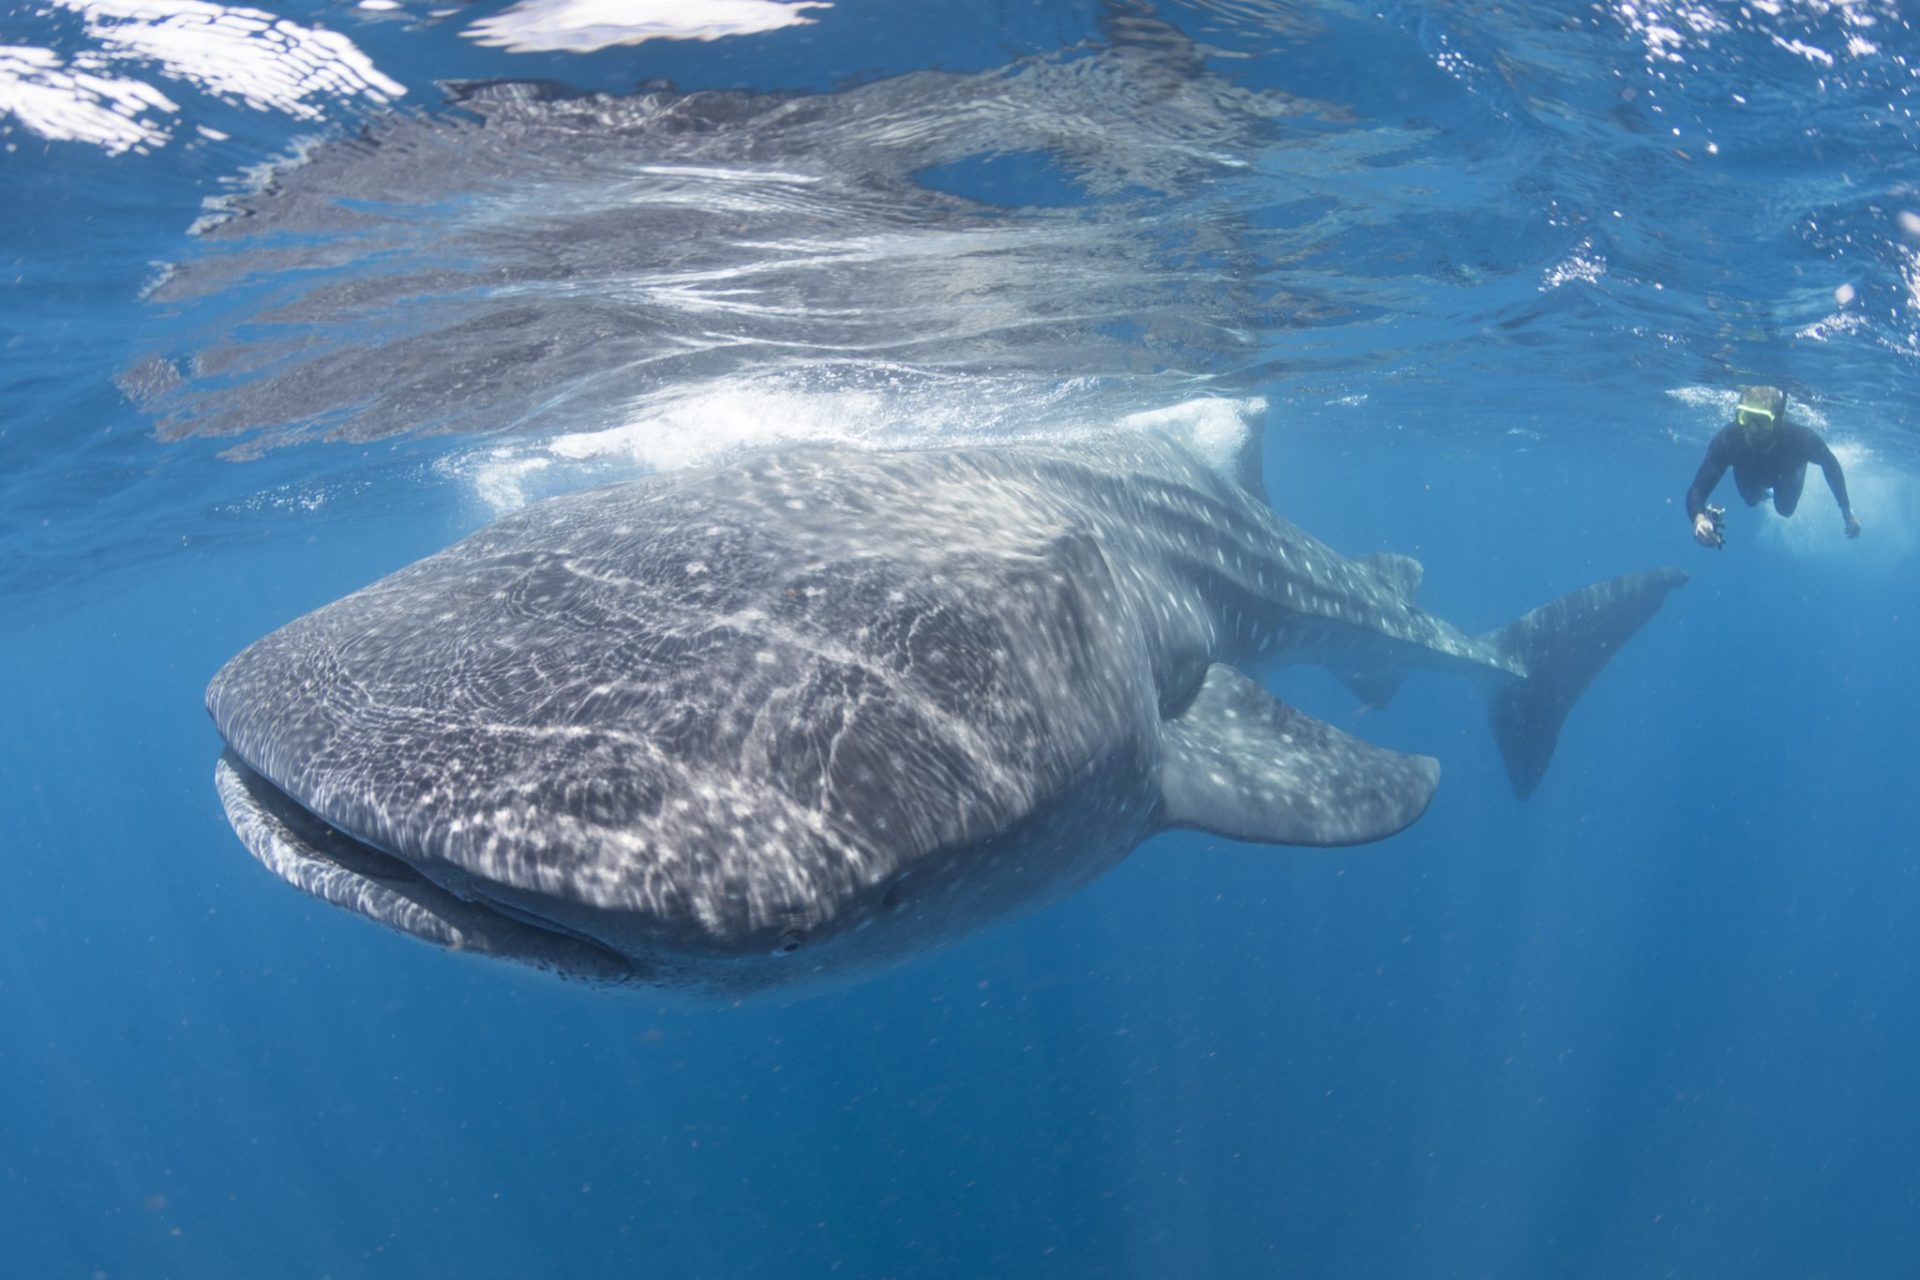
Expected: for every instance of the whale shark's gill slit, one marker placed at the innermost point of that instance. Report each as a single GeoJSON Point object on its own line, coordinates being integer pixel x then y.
{"type": "Point", "coordinates": [533, 920]}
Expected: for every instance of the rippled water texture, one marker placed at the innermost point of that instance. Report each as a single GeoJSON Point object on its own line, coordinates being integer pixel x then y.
{"type": "Point", "coordinates": [533, 261]}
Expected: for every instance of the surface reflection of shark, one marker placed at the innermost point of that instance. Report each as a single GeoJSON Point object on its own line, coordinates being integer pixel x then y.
{"type": "Point", "coordinates": [533, 258]}
{"type": "Point", "coordinates": [821, 709]}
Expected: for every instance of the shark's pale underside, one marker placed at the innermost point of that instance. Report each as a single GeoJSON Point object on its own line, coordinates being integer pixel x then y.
{"type": "Point", "coordinates": [822, 708]}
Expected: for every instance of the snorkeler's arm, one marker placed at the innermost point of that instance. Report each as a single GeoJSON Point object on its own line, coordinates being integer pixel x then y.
{"type": "Point", "coordinates": [1712, 467]}
{"type": "Point", "coordinates": [1836, 479]}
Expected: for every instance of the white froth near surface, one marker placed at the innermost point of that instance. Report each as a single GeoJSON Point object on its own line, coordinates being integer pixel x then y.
{"type": "Point", "coordinates": [705, 428]}
{"type": "Point", "coordinates": [1212, 427]}
{"type": "Point", "coordinates": [582, 26]}
{"type": "Point", "coordinates": [697, 430]}
{"type": "Point", "coordinates": [709, 428]}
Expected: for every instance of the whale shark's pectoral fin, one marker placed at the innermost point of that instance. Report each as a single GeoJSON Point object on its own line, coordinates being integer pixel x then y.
{"type": "Point", "coordinates": [1238, 762]}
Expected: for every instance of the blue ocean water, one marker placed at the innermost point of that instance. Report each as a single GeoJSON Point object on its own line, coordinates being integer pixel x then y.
{"type": "Point", "coordinates": [365, 281]}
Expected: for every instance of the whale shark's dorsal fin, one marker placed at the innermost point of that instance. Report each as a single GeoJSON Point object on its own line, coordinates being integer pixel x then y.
{"type": "Point", "coordinates": [1250, 458]}
{"type": "Point", "coordinates": [1240, 763]}
{"type": "Point", "coordinates": [1228, 436]}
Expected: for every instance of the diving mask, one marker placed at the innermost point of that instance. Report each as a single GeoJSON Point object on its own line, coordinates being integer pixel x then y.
{"type": "Point", "coordinates": [1759, 412]}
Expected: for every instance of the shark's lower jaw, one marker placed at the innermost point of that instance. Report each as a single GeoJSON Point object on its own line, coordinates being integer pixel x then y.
{"type": "Point", "coordinates": [459, 914]}
{"type": "Point", "coordinates": [945, 900]}
{"type": "Point", "coordinates": [309, 854]}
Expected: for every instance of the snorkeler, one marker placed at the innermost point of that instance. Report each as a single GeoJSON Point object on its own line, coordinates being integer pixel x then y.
{"type": "Point", "coordinates": [1766, 452]}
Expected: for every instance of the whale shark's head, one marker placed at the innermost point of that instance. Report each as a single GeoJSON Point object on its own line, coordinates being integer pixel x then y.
{"type": "Point", "coordinates": [637, 741]}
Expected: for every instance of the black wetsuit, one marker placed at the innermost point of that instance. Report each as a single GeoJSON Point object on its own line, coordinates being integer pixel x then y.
{"type": "Point", "coordinates": [1781, 465]}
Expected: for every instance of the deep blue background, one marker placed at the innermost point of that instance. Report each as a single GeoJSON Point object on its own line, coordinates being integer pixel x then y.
{"type": "Point", "coordinates": [1658, 1020]}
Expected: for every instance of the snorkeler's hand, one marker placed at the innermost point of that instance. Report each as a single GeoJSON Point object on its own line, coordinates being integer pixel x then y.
{"type": "Point", "coordinates": [1853, 525]}
{"type": "Point", "coordinates": [1706, 528]}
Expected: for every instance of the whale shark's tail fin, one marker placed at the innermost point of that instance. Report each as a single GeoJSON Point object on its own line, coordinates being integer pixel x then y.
{"type": "Point", "coordinates": [1562, 646]}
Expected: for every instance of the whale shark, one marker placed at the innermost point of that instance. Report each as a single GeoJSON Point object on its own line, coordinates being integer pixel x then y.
{"type": "Point", "coordinates": [819, 709]}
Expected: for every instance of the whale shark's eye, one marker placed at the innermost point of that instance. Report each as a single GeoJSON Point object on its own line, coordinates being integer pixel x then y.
{"type": "Point", "coordinates": [789, 943]}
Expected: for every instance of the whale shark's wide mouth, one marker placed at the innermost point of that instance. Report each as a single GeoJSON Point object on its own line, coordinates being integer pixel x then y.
{"type": "Point", "coordinates": [307, 853]}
